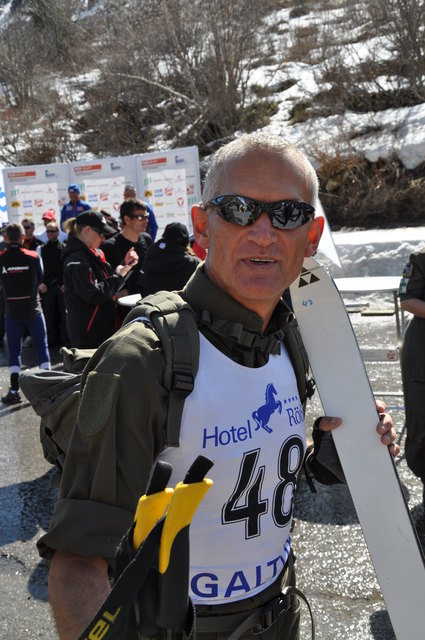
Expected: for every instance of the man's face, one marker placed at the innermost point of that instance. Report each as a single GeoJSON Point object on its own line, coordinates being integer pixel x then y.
{"type": "Point", "coordinates": [73, 195]}
{"type": "Point", "coordinates": [52, 231]}
{"type": "Point", "coordinates": [138, 221]}
{"type": "Point", "coordinates": [129, 193]}
{"type": "Point", "coordinates": [255, 264]}
{"type": "Point", "coordinates": [29, 229]}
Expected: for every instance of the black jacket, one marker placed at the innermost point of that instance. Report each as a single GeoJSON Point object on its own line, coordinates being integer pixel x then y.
{"type": "Point", "coordinates": [90, 288]}
{"type": "Point", "coordinates": [51, 254]}
{"type": "Point", "coordinates": [21, 273]}
{"type": "Point", "coordinates": [167, 267]}
{"type": "Point", "coordinates": [115, 249]}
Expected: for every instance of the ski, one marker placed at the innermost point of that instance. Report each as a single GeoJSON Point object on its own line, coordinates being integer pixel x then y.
{"type": "Point", "coordinates": [372, 479]}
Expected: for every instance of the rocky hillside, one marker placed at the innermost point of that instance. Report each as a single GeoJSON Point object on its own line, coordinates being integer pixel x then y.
{"type": "Point", "coordinates": [87, 78]}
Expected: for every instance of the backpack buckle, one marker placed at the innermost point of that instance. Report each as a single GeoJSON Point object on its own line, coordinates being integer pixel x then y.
{"type": "Point", "coordinates": [183, 383]}
{"type": "Point", "coordinates": [271, 612]}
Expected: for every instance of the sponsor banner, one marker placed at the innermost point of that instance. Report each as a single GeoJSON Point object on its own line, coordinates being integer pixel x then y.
{"type": "Point", "coordinates": [168, 180]}
{"type": "Point", "coordinates": [105, 194]}
{"type": "Point", "coordinates": [32, 200]}
{"type": "Point", "coordinates": [3, 207]}
{"type": "Point", "coordinates": [102, 181]}
{"type": "Point", "coordinates": [166, 193]}
{"type": "Point", "coordinates": [31, 190]}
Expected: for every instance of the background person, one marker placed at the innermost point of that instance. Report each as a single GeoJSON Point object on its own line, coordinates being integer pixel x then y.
{"type": "Point", "coordinates": [152, 226]}
{"type": "Point", "coordinates": [30, 241]}
{"type": "Point", "coordinates": [50, 216]}
{"type": "Point", "coordinates": [134, 220]}
{"type": "Point", "coordinates": [2, 307]}
{"type": "Point", "coordinates": [51, 288]}
{"type": "Point", "coordinates": [412, 297]}
{"type": "Point", "coordinates": [74, 206]}
{"type": "Point", "coordinates": [240, 546]}
{"type": "Point", "coordinates": [170, 261]}
{"type": "Point", "coordinates": [21, 273]}
{"type": "Point", "coordinates": [90, 285]}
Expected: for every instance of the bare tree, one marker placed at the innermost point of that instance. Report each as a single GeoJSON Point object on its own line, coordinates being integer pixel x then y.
{"type": "Point", "coordinates": [404, 23]}
{"type": "Point", "coordinates": [183, 68]}
{"type": "Point", "coordinates": [18, 68]}
{"type": "Point", "coordinates": [55, 21]}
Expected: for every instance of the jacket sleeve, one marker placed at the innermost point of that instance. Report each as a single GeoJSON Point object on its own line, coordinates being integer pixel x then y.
{"type": "Point", "coordinates": [115, 441]}
{"type": "Point", "coordinates": [40, 269]}
{"type": "Point", "coordinates": [91, 288]}
{"type": "Point", "coordinates": [153, 225]}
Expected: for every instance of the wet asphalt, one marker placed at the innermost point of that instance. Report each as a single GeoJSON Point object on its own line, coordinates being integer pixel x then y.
{"type": "Point", "coordinates": [333, 565]}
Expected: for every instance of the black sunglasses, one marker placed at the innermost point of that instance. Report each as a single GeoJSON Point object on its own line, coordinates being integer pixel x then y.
{"type": "Point", "coordinates": [52, 231]}
{"type": "Point", "coordinates": [140, 216]}
{"type": "Point", "coordinates": [285, 214]}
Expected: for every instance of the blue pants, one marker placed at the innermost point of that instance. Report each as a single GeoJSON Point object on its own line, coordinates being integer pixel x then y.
{"type": "Point", "coordinates": [36, 327]}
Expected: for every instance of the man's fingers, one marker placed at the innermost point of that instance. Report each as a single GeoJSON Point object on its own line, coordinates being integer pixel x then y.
{"type": "Point", "coordinates": [328, 424]}
{"type": "Point", "coordinates": [388, 434]}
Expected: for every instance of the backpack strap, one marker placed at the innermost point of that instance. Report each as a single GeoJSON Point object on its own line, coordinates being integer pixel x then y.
{"type": "Point", "coordinates": [299, 359]}
{"type": "Point", "coordinates": [174, 322]}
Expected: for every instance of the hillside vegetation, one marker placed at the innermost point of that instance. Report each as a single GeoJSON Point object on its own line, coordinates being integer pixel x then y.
{"type": "Point", "coordinates": [81, 78]}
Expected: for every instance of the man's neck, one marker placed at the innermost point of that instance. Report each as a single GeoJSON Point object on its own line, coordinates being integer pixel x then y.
{"type": "Point", "coordinates": [129, 234]}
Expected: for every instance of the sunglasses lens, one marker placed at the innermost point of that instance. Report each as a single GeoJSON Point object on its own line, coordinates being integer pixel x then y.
{"type": "Point", "coordinates": [291, 214]}
{"type": "Point", "coordinates": [287, 214]}
{"type": "Point", "coordinates": [235, 209]}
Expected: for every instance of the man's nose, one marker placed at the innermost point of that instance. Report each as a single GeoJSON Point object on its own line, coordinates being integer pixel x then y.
{"type": "Point", "coordinates": [262, 230]}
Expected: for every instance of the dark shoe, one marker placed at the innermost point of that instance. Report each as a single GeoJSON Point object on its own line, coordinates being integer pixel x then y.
{"type": "Point", "coordinates": [13, 397]}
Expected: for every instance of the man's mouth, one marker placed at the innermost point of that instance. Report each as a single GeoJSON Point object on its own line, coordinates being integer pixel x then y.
{"type": "Point", "coordinates": [261, 260]}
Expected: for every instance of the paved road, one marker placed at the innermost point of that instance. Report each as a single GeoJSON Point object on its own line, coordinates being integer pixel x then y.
{"type": "Point", "coordinates": [26, 504]}
{"type": "Point", "coordinates": [333, 564]}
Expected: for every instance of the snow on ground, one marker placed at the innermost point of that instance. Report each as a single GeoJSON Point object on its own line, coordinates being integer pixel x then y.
{"type": "Point", "coordinates": [376, 134]}
{"type": "Point", "coordinates": [374, 252]}
{"type": "Point", "coordinates": [397, 131]}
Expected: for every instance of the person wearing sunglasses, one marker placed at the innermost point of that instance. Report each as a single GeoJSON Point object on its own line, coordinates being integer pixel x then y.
{"type": "Point", "coordinates": [90, 284]}
{"type": "Point", "coordinates": [152, 226]}
{"type": "Point", "coordinates": [51, 288]}
{"type": "Point", "coordinates": [48, 217]}
{"type": "Point", "coordinates": [245, 412]}
{"type": "Point", "coordinates": [134, 219]}
{"type": "Point", "coordinates": [30, 242]}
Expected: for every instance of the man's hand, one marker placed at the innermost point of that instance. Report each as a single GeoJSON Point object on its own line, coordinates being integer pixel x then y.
{"type": "Point", "coordinates": [130, 261]}
{"type": "Point", "coordinates": [384, 427]}
{"type": "Point", "coordinates": [386, 430]}
{"type": "Point", "coordinates": [42, 288]}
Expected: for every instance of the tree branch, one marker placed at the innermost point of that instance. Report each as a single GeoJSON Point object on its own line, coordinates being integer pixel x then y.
{"type": "Point", "coordinates": [172, 92]}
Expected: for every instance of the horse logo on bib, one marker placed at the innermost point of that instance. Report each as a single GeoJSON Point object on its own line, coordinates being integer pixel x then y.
{"type": "Point", "coordinates": [263, 413]}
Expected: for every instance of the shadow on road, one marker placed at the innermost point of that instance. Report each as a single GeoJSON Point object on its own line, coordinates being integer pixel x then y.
{"type": "Point", "coordinates": [330, 505]}
{"type": "Point", "coordinates": [26, 507]}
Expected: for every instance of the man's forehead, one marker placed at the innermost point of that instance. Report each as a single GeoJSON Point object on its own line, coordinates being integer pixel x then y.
{"type": "Point", "coordinates": [264, 174]}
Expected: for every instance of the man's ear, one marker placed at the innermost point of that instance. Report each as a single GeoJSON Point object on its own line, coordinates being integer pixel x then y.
{"type": "Point", "coordinates": [200, 222]}
{"type": "Point", "coordinates": [314, 235]}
